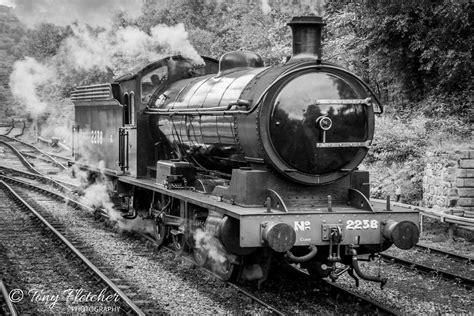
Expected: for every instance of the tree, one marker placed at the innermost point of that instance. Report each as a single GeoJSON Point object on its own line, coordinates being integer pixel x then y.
{"type": "Point", "coordinates": [42, 42]}
{"type": "Point", "coordinates": [421, 49]}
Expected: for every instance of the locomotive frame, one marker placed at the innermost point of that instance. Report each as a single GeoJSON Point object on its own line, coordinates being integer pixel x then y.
{"type": "Point", "coordinates": [202, 152]}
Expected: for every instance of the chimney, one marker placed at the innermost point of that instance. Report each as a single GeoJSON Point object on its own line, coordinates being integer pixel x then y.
{"type": "Point", "coordinates": [307, 36]}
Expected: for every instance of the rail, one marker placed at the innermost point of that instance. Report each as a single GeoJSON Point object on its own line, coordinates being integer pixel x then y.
{"type": "Point", "coordinates": [60, 144]}
{"type": "Point", "coordinates": [40, 151]}
{"type": "Point", "coordinates": [76, 252]}
{"type": "Point", "coordinates": [60, 197]}
{"type": "Point", "coordinates": [443, 218]}
{"type": "Point", "coordinates": [379, 306]}
{"type": "Point", "coordinates": [427, 269]}
{"type": "Point", "coordinates": [30, 167]}
{"type": "Point", "coordinates": [11, 310]}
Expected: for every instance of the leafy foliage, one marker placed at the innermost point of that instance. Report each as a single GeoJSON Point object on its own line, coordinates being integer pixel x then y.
{"type": "Point", "coordinates": [409, 50]}
{"type": "Point", "coordinates": [42, 42]}
{"type": "Point", "coordinates": [397, 142]}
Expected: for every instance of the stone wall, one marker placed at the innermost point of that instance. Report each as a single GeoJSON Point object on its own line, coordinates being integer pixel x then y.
{"type": "Point", "coordinates": [448, 182]}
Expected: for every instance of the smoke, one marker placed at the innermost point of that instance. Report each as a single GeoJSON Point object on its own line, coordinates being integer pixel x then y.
{"type": "Point", "coordinates": [60, 12]}
{"type": "Point", "coordinates": [265, 7]}
{"type": "Point", "coordinates": [8, 3]}
{"type": "Point", "coordinates": [210, 245]}
{"type": "Point", "coordinates": [96, 195]}
{"type": "Point", "coordinates": [123, 49]}
{"type": "Point", "coordinates": [102, 51]}
{"type": "Point", "coordinates": [27, 78]}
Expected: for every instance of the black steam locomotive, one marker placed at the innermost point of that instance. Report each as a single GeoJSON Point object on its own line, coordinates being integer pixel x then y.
{"type": "Point", "coordinates": [248, 162]}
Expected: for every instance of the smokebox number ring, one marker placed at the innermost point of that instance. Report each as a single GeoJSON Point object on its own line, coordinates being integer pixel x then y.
{"type": "Point", "coordinates": [324, 122]}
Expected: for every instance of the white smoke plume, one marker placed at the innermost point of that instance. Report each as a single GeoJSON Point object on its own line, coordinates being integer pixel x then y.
{"type": "Point", "coordinates": [265, 7]}
{"type": "Point", "coordinates": [124, 48]}
{"type": "Point", "coordinates": [27, 77]}
{"type": "Point", "coordinates": [211, 246]}
{"type": "Point", "coordinates": [61, 12]}
{"type": "Point", "coordinates": [88, 49]}
{"type": "Point", "coordinates": [96, 195]}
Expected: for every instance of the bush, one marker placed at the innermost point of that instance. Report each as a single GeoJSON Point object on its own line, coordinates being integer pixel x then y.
{"type": "Point", "coordinates": [397, 142]}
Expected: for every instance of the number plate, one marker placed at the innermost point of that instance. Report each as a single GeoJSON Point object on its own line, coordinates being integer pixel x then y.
{"type": "Point", "coordinates": [359, 224]}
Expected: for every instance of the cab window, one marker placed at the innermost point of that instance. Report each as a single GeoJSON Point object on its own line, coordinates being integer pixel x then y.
{"type": "Point", "coordinates": [151, 81]}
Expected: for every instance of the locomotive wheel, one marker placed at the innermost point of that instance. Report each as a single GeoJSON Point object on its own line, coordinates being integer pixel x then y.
{"type": "Point", "coordinates": [179, 243]}
{"type": "Point", "coordinates": [319, 270]}
{"type": "Point", "coordinates": [160, 232]}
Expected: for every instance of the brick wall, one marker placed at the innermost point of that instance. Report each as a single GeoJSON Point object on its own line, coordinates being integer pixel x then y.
{"type": "Point", "coordinates": [448, 182]}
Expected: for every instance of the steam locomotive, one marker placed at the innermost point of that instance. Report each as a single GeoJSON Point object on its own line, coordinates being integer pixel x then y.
{"type": "Point", "coordinates": [253, 163]}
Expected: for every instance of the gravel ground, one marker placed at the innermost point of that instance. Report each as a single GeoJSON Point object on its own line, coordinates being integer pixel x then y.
{"type": "Point", "coordinates": [46, 280]}
{"type": "Point", "coordinates": [182, 289]}
{"type": "Point", "coordinates": [414, 293]}
{"type": "Point", "coordinates": [170, 281]}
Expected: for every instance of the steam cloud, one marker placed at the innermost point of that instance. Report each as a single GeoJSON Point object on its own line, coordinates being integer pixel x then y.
{"type": "Point", "coordinates": [87, 49]}
{"type": "Point", "coordinates": [96, 196]}
{"type": "Point", "coordinates": [27, 76]}
{"type": "Point", "coordinates": [265, 7]}
{"type": "Point", "coordinates": [60, 12]}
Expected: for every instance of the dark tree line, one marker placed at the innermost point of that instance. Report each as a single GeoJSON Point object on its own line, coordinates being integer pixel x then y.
{"type": "Point", "coordinates": [417, 55]}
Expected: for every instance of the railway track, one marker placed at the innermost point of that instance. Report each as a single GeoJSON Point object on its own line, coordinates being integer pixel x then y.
{"type": "Point", "coordinates": [26, 236]}
{"type": "Point", "coordinates": [27, 150]}
{"type": "Point", "coordinates": [252, 297]}
{"type": "Point", "coordinates": [6, 306]}
{"type": "Point", "coordinates": [430, 269]}
{"type": "Point", "coordinates": [5, 129]}
{"type": "Point", "coordinates": [448, 255]}
{"type": "Point", "coordinates": [377, 307]}
{"type": "Point", "coordinates": [78, 205]}
{"type": "Point", "coordinates": [370, 305]}
{"type": "Point", "coordinates": [366, 304]}
{"type": "Point", "coordinates": [14, 130]}
{"type": "Point", "coordinates": [36, 164]}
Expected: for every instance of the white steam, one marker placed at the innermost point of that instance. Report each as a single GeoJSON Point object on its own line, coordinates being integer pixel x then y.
{"type": "Point", "coordinates": [86, 50]}
{"type": "Point", "coordinates": [96, 195]}
{"type": "Point", "coordinates": [265, 7]}
{"type": "Point", "coordinates": [210, 245]}
{"type": "Point", "coordinates": [124, 48]}
{"type": "Point", "coordinates": [27, 77]}
{"type": "Point", "coordinates": [60, 12]}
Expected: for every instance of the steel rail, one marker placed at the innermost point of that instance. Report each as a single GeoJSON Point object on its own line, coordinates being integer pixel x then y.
{"type": "Point", "coordinates": [57, 196]}
{"type": "Point", "coordinates": [30, 167]}
{"type": "Point", "coordinates": [8, 131]}
{"type": "Point", "coordinates": [41, 178]}
{"type": "Point", "coordinates": [11, 308]}
{"type": "Point", "coordinates": [82, 206]}
{"type": "Point", "coordinates": [71, 247]}
{"type": "Point", "coordinates": [22, 158]}
{"type": "Point", "coordinates": [39, 150]}
{"type": "Point", "coordinates": [426, 269]}
{"type": "Point", "coordinates": [234, 286]}
{"type": "Point", "coordinates": [339, 288]}
{"type": "Point", "coordinates": [454, 256]}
